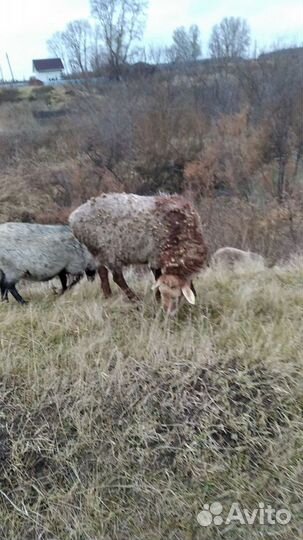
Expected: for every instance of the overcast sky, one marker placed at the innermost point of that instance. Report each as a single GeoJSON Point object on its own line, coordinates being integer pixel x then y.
{"type": "Point", "coordinates": [25, 25]}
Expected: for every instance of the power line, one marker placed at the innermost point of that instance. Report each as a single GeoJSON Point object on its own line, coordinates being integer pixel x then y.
{"type": "Point", "coordinates": [10, 67]}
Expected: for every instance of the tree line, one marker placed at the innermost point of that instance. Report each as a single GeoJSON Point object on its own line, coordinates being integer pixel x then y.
{"type": "Point", "coordinates": [114, 39]}
{"type": "Point", "coordinates": [230, 126]}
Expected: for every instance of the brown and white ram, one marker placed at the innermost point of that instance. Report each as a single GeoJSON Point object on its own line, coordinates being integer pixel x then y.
{"type": "Point", "coordinates": [161, 231]}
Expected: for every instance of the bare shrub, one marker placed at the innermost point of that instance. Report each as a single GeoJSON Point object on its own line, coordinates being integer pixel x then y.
{"type": "Point", "coordinates": [232, 155]}
{"type": "Point", "coordinates": [272, 230]}
{"type": "Point", "coordinates": [48, 192]}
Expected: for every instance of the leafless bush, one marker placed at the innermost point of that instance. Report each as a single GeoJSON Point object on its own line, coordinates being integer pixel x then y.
{"type": "Point", "coordinates": [272, 230]}
{"type": "Point", "coordinates": [232, 154]}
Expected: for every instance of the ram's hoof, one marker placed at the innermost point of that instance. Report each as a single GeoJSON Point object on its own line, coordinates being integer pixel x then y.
{"type": "Point", "coordinates": [56, 292]}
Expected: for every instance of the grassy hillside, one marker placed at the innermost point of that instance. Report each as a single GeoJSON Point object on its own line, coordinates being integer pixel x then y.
{"type": "Point", "coordinates": [117, 424]}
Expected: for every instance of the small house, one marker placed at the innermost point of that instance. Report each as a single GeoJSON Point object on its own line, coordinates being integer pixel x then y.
{"type": "Point", "coordinates": [48, 70]}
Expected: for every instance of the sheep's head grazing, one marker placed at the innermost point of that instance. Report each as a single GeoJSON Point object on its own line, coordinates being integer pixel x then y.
{"type": "Point", "coordinates": [91, 271]}
{"type": "Point", "coordinates": [173, 290]}
{"type": "Point", "coordinates": [91, 268]}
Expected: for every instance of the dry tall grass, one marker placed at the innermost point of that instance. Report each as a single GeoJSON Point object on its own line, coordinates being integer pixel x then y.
{"type": "Point", "coordinates": [117, 424]}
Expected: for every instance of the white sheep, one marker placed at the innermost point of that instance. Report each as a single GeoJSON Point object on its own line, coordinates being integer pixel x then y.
{"type": "Point", "coordinates": [231, 257]}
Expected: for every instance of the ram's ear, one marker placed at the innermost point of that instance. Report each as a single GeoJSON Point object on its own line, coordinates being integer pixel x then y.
{"type": "Point", "coordinates": [188, 294]}
{"type": "Point", "coordinates": [157, 284]}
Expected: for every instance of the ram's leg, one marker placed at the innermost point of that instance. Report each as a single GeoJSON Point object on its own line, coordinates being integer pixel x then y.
{"type": "Point", "coordinates": [103, 273]}
{"type": "Point", "coordinates": [12, 289]}
{"type": "Point", "coordinates": [120, 281]}
{"type": "Point", "coordinates": [3, 287]}
{"type": "Point", "coordinates": [193, 288]}
{"type": "Point", "coordinates": [63, 279]}
{"type": "Point", "coordinates": [3, 291]}
{"type": "Point", "coordinates": [75, 280]}
{"type": "Point", "coordinates": [157, 273]}
{"type": "Point", "coordinates": [4, 295]}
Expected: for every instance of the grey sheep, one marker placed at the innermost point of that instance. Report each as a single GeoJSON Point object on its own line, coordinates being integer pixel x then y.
{"type": "Point", "coordinates": [162, 231]}
{"type": "Point", "coordinates": [39, 253]}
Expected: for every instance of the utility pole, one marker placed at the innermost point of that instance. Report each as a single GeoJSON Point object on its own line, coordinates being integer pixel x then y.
{"type": "Point", "coordinates": [10, 67]}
